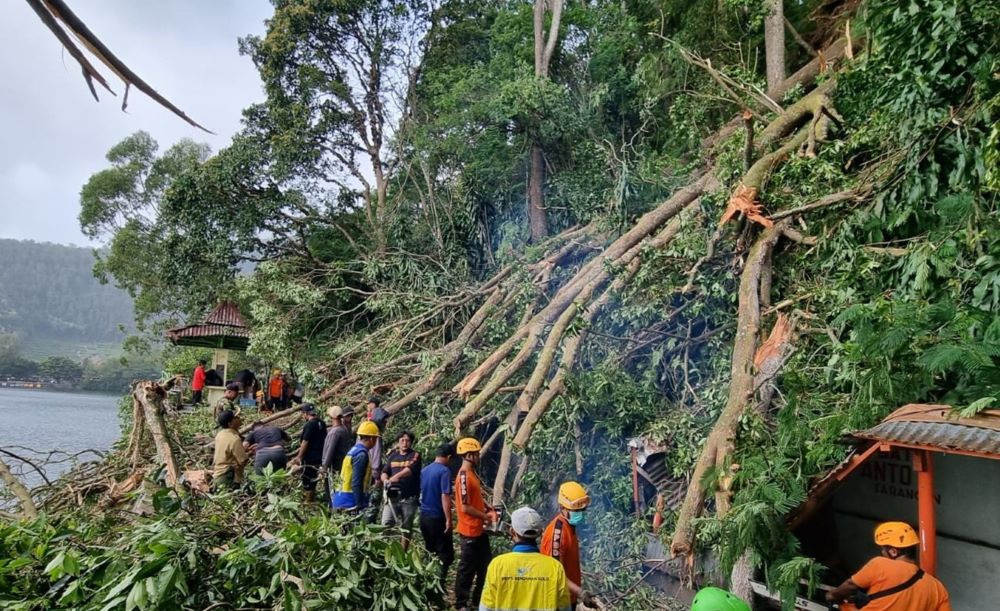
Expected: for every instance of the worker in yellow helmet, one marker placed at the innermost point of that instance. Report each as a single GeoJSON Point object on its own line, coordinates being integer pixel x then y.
{"type": "Point", "coordinates": [560, 540]}
{"type": "Point", "coordinates": [892, 581]}
{"type": "Point", "coordinates": [356, 471]}
{"type": "Point", "coordinates": [474, 515]}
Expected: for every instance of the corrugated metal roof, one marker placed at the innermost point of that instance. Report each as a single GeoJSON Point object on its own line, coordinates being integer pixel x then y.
{"type": "Point", "coordinates": [944, 435]}
{"type": "Point", "coordinates": [226, 313]}
{"type": "Point", "coordinates": [224, 324]}
{"type": "Point", "coordinates": [209, 331]}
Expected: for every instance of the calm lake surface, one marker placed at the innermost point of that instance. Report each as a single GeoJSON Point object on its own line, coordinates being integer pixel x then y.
{"type": "Point", "coordinates": [67, 422]}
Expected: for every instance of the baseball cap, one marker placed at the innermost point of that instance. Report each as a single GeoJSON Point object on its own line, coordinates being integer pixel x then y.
{"type": "Point", "coordinates": [526, 522]}
{"type": "Point", "coordinates": [334, 411]}
{"type": "Point", "coordinates": [307, 408]}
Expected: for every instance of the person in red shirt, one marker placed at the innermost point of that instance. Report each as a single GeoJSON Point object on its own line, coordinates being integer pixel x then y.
{"type": "Point", "coordinates": [198, 382]}
{"type": "Point", "coordinates": [893, 581]}
{"type": "Point", "coordinates": [560, 541]}
{"type": "Point", "coordinates": [473, 517]}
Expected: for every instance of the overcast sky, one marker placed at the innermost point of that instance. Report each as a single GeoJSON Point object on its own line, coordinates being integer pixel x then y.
{"type": "Point", "coordinates": [54, 135]}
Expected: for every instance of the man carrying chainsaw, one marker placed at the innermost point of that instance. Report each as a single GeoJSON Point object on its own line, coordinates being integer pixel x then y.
{"type": "Point", "coordinates": [892, 581]}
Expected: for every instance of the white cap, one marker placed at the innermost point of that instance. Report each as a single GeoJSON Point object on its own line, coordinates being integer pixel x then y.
{"type": "Point", "coordinates": [526, 522]}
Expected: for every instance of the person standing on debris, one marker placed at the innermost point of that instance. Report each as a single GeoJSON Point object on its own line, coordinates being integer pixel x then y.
{"type": "Point", "coordinates": [247, 383]}
{"type": "Point", "coordinates": [228, 400]}
{"type": "Point", "coordinates": [525, 579]}
{"type": "Point", "coordinates": [198, 382]}
{"type": "Point", "coordinates": [435, 507]}
{"type": "Point", "coordinates": [339, 439]}
{"type": "Point", "coordinates": [356, 471]}
{"type": "Point", "coordinates": [893, 581]}
{"type": "Point", "coordinates": [276, 391]}
{"type": "Point", "coordinates": [401, 482]}
{"type": "Point", "coordinates": [473, 517]}
{"type": "Point", "coordinates": [560, 540]}
{"type": "Point", "coordinates": [267, 443]}
{"type": "Point", "coordinates": [310, 450]}
{"type": "Point", "coordinates": [230, 458]}
{"type": "Point", "coordinates": [380, 417]}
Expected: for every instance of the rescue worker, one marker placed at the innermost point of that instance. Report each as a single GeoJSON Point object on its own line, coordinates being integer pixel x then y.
{"type": "Point", "coordinates": [560, 540]}
{"type": "Point", "coordinates": [276, 392]}
{"type": "Point", "coordinates": [525, 579]}
{"type": "Point", "coordinates": [229, 458]}
{"type": "Point", "coordinates": [474, 515]}
{"type": "Point", "coordinates": [356, 472]}
{"type": "Point", "coordinates": [715, 599]}
{"type": "Point", "coordinates": [893, 581]}
{"type": "Point", "coordinates": [227, 400]}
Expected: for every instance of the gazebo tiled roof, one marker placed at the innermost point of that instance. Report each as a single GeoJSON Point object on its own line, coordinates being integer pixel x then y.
{"type": "Point", "coordinates": [224, 327]}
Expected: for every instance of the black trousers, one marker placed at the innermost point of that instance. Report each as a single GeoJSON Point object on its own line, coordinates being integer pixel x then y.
{"type": "Point", "coordinates": [195, 397]}
{"type": "Point", "coordinates": [310, 477]}
{"type": "Point", "coordinates": [473, 560]}
{"type": "Point", "coordinates": [438, 542]}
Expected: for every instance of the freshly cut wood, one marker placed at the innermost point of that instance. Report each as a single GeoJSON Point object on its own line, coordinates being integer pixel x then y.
{"type": "Point", "coordinates": [150, 396]}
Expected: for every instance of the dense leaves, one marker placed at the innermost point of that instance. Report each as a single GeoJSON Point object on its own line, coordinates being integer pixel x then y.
{"type": "Point", "coordinates": [261, 552]}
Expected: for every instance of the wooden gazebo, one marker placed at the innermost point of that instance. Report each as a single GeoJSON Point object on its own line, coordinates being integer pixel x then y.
{"type": "Point", "coordinates": [223, 330]}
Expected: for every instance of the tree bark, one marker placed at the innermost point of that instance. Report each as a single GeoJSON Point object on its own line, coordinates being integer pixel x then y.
{"type": "Point", "coordinates": [537, 221]}
{"type": "Point", "coordinates": [150, 395]}
{"type": "Point", "coordinates": [28, 508]}
{"type": "Point", "coordinates": [719, 444]}
{"type": "Point", "coordinates": [774, 46]}
{"type": "Point", "coordinates": [544, 48]}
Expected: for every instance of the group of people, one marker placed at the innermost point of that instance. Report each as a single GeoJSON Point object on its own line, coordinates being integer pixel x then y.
{"type": "Point", "coordinates": [541, 572]}
{"type": "Point", "coordinates": [281, 391]}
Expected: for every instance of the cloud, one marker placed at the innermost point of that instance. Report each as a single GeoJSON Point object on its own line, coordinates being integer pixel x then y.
{"type": "Point", "coordinates": [55, 135]}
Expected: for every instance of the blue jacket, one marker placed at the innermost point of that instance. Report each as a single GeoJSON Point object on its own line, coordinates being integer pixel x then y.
{"type": "Point", "coordinates": [355, 479]}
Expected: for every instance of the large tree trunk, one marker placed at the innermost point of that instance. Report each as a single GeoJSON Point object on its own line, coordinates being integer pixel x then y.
{"type": "Point", "coordinates": [150, 395]}
{"type": "Point", "coordinates": [774, 46]}
{"type": "Point", "coordinates": [537, 222]}
{"type": "Point", "coordinates": [544, 47]}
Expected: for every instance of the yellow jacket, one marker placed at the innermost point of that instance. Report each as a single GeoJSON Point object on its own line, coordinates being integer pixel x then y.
{"type": "Point", "coordinates": [525, 580]}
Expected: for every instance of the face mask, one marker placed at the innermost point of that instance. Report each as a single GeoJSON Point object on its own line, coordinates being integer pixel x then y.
{"type": "Point", "coordinates": [576, 518]}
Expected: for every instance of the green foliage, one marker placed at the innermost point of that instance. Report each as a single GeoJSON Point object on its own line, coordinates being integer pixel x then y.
{"type": "Point", "coordinates": [47, 292]}
{"type": "Point", "coordinates": [260, 551]}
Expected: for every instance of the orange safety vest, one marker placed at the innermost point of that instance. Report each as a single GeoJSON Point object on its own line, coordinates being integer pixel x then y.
{"type": "Point", "coordinates": [560, 542]}
{"type": "Point", "coordinates": [276, 388]}
{"type": "Point", "coordinates": [468, 492]}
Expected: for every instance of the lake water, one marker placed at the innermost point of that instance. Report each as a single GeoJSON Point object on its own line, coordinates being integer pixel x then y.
{"type": "Point", "coordinates": [61, 422]}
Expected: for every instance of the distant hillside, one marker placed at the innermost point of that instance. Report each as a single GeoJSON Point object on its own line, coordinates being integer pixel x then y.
{"type": "Point", "coordinates": [48, 293]}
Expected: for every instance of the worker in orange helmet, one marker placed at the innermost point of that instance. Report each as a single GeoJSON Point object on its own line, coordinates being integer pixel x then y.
{"type": "Point", "coordinates": [560, 540]}
{"type": "Point", "coordinates": [892, 581]}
